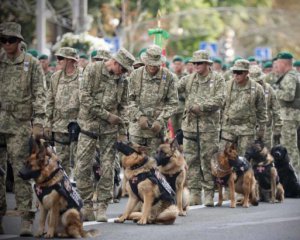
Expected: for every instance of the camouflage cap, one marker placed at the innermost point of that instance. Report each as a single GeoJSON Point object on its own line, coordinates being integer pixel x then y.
{"type": "Point", "coordinates": [67, 52]}
{"type": "Point", "coordinates": [138, 62]}
{"type": "Point", "coordinates": [255, 72]}
{"type": "Point", "coordinates": [284, 55]}
{"type": "Point", "coordinates": [125, 58]}
{"type": "Point", "coordinates": [267, 64]}
{"type": "Point", "coordinates": [152, 56]}
{"type": "Point", "coordinates": [11, 29]}
{"type": "Point", "coordinates": [43, 57]}
{"type": "Point", "coordinates": [200, 56]}
{"type": "Point", "coordinates": [177, 58]}
{"type": "Point", "coordinates": [296, 63]}
{"type": "Point", "coordinates": [33, 52]}
{"type": "Point", "coordinates": [102, 54]}
{"type": "Point", "coordinates": [241, 65]}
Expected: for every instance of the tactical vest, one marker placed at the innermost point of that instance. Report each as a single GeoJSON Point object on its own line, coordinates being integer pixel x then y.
{"type": "Point", "coordinates": [263, 175]}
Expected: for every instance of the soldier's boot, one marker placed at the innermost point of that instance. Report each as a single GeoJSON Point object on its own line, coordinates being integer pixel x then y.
{"type": "Point", "coordinates": [26, 228]}
{"type": "Point", "coordinates": [195, 197]}
{"type": "Point", "coordinates": [209, 198]}
{"type": "Point", "coordinates": [1, 227]}
{"type": "Point", "coordinates": [101, 212]}
{"type": "Point", "coordinates": [88, 213]}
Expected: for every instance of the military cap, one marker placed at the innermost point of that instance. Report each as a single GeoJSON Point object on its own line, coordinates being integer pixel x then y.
{"type": "Point", "coordinates": [241, 65]}
{"type": "Point", "coordinates": [200, 56]}
{"type": "Point", "coordinates": [52, 64]}
{"type": "Point", "coordinates": [255, 72]}
{"type": "Point", "coordinates": [267, 64]}
{"type": "Point", "coordinates": [11, 29]}
{"type": "Point", "coordinates": [187, 60]}
{"type": "Point", "coordinates": [67, 52]}
{"type": "Point", "coordinates": [138, 62]}
{"type": "Point", "coordinates": [152, 56]}
{"type": "Point", "coordinates": [177, 58]}
{"type": "Point", "coordinates": [125, 58]}
{"type": "Point", "coordinates": [284, 55]}
{"type": "Point", "coordinates": [33, 52]}
{"type": "Point", "coordinates": [143, 50]}
{"type": "Point", "coordinates": [83, 55]}
{"type": "Point", "coordinates": [93, 53]}
{"type": "Point", "coordinates": [236, 58]}
{"type": "Point", "coordinates": [102, 54]}
{"type": "Point", "coordinates": [296, 63]}
{"type": "Point", "coordinates": [251, 59]}
{"type": "Point", "coordinates": [217, 60]}
{"type": "Point", "coordinates": [43, 56]}
{"type": "Point", "coordinates": [225, 66]}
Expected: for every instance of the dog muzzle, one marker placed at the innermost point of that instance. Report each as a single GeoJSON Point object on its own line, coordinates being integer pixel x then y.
{"type": "Point", "coordinates": [162, 160]}
{"type": "Point", "coordinates": [123, 148]}
{"type": "Point", "coordinates": [26, 173]}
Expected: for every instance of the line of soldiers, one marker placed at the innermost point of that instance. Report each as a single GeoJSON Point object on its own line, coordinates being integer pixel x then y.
{"type": "Point", "coordinates": [118, 97]}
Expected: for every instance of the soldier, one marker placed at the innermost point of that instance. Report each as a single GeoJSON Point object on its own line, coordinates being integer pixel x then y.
{"type": "Point", "coordinates": [83, 60]}
{"type": "Point", "coordinates": [189, 67]}
{"type": "Point", "coordinates": [152, 100]}
{"type": "Point", "coordinates": [178, 66]}
{"type": "Point", "coordinates": [252, 60]}
{"type": "Point", "coordinates": [245, 109]}
{"type": "Point", "coordinates": [102, 97]}
{"type": "Point", "coordinates": [288, 94]}
{"type": "Point", "coordinates": [22, 109]}
{"type": "Point", "coordinates": [204, 92]}
{"type": "Point", "coordinates": [274, 124]}
{"type": "Point", "coordinates": [62, 106]}
{"type": "Point", "coordinates": [45, 66]}
{"type": "Point", "coordinates": [267, 67]}
{"type": "Point", "coordinates": [217, 65]}
{"type": "Point", "coordinates": [33, 52]}
{"type": "Point", "coordinates": [101, 55]}
{"type": "Point", "coordinates": [272, 76]}
{"type": "Point", "coordinates": [296, 65]}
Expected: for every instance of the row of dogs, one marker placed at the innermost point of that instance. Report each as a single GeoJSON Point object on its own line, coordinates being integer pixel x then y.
{"type": "Point", "coordinates": [157, 188]}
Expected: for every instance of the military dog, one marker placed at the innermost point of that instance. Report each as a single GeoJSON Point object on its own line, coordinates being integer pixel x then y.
{"type": "Point", "coordinates": [265, 172]}
{"type": "Point", "coordinates": [145, 184]}
{"type": "Point", "coordinates": [230, 169]}
{"type": "Point", "coordinates": [172, 165]}
{"type": "Point", "coordinates": [286, 172]}
{"type": "Point", "coordinates": [58, 200]}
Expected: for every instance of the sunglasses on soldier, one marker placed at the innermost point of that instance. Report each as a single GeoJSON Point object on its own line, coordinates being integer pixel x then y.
{"type": "Point", "coordinates": [9, 40]}
{"type": "Point", "coordinates": [198, 63]}
{"type": "Point", "coordinates": [60, 58]}
{"type": "Point", "coordinates": [123, 70]}
{"type": "Point", "coordinates": [238, 72]}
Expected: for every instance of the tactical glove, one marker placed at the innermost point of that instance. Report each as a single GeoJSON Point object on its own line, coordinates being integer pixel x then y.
{"type": "Point", "coordinates": [37, 129]}
{"type": "Point", "coordinates": [156, 127]}
{"type": "Point", "coordinates": [114, 119]}
{"type": "Point", "coordinates": [143, 122]}
{"type": "Point", "coordinates": [47, 132]}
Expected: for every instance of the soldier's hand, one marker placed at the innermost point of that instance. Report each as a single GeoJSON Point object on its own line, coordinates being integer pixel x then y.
{"type": "Point", "coordinates": [195, 109]}
{"type": "Point", "coordinates": [143, 122]}
{"type": "Point", "coordinates": [156, 127]}
{"type": "Point", "coordinates": [48, 132]}
{"type": "Point", "coordinates": [114, 119]}
{"type": "Point", "coordinates": [37, 129]}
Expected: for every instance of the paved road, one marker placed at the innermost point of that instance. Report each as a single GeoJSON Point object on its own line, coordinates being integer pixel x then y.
{"type": "Point", "coordinates": [265, 222]}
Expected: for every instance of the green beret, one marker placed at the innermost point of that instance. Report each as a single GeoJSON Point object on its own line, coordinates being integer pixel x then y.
{"type": "Point", "coordinates": [177, 58]}
{"type": "Point", "coordinates": [187, 60]}
{"type": "Point", "coordinates": [296, 63]}
{"type": "Point", "coordinates": [218, 60]}
{"type": "Point", "coordinates": [251, 59]}
{"type": "Point", "coordinates": [167, 64]}
{"type": "Point", "coordinates": [83, 55]}
{"type": "Point", "coordinates": [274, 59]}
{"type": "Point", "coordinates": [267, 64]}
{"type": "Point", "coordinates": [93, 53]}
{"type": "Point", "coordinates": [284, 55]}
{"type": "Point", "coordinates": [141, 52]}
{"type": "Point", "coordinates": [43, 57]}
{"type": "Point", "coordinates": [236, 58]}
{"type": "Point", "coordinates": [52, 64]}
{"type": "Point", "coordinates": [33, 52]}
{"type": "Point", "coordinates": [225, 66]}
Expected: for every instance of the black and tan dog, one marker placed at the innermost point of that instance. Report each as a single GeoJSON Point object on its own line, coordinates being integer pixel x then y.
{"type": "Point", "coordinates": [286, 172]}
{"type": "Point", "coordinates": [235, 172]}
{"type": "Point", "coordinates": [58, 200]}
{"type": "Point", "coordinates": [172, 165]}
{"type": "Point", "coordinates": [270, 189]}
{"type": "Point", "coordinates": [147, 185]}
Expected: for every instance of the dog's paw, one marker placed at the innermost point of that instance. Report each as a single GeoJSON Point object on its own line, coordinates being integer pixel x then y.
{"type": "Point", "coordinates": [49, 235]}
{"type": "Point", "coordinates": [142, 222]}
{"type": "Point", "coordinates": [39, 234]}
{"type": "Point", "coordinates": [245, 205]}
{"type": "Point", "coordinates": [119, 220]}
{"type": "Point", "coordinates": [182, 213]}
{"type": "Point", "coordinates": [233, 205]}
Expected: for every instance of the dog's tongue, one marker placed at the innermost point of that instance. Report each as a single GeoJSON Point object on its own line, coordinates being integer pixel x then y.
{"type": "Point", "coordinates": [123, 148]}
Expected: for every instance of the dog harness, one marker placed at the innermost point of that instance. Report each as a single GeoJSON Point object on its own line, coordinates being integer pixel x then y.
{"type": "Point", "coordinates": [222, 180]}
{"type": "Point", "coordinates": [263, 175]}
{"type": "Point", "coordinates": [171, 179]}
{"type": "Point", "coordinates": [240, 165]}
{"type": "Point", "coordinates": [166, 192]}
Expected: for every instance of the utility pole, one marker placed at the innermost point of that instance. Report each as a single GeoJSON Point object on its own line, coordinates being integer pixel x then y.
{"type": "Point", "coordinates": [41, 25]}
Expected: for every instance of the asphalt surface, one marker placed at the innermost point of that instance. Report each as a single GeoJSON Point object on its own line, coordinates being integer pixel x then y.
{"type": "Point", "coordinates": [280, 221]}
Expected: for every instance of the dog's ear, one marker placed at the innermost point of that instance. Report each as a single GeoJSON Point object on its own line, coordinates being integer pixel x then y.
{"type": "Point", "coordinates": [174, 144]}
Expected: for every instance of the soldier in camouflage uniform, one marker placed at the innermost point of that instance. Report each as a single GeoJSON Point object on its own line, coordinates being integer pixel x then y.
{"type": "Point", "coordinates": [245, 112]}
{"type": "Point", "coordinates": [44, 61]}
{"type": "Point", "coordinates": [204, 91]}
{"type": "Point", "coordinates": [101, 55]}
{"type": "Point", "coordinates": [102, 97]}
{"type": "Point", "coordinates": [273, 75]}
{"type": "Point", "coordinates": [62, 105]}
{"type": "Point", "coordinates": [152, 100]}
{"type": "Point", "coordinates": [274, 124]}
{"type": "Point", "coordinates": [288, 94]}
{"type": "Point", "coordinates": [22, 109]}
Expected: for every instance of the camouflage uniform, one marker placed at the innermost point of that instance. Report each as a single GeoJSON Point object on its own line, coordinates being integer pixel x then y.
{"type": "Point", "coordinates": [288, 94]}
{"type": "Point", "coordinates": [201, 133]}
{"type": "Point", "coordinates": [245, 109]}
{"type": "Point", "coordinates": [62, 107]}
{"type": "Point", "coordinates": [274, 123]}
{"type": "Point", "coordinates": [101, 95]}
{"type": "Point", "coordinates": [22, 103]}
{"type": "Point", "coordinates": [154, 97]}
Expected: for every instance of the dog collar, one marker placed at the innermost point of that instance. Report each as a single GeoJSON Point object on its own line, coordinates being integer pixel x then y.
{"type": "Point", "coordinates": [136, 166]}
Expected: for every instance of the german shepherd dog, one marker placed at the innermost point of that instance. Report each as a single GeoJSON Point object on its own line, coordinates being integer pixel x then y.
{"type": "Point", "coordinates": [265, 172]}
{"type": "Point", "coordinates": [145, 184]}
{"type": "Point", "coordinates": [172, 165]}
{"type": "Point", "coordinates": [235, 172]}
{"type": "Point", "coordinates": [58, 200]}
{"type": "Point", "coordinates": [286, 172]}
